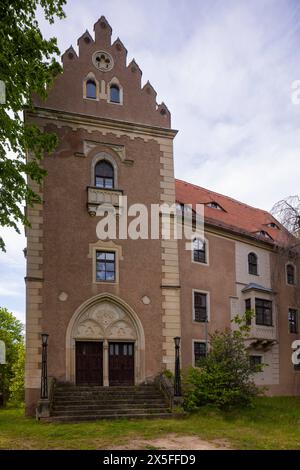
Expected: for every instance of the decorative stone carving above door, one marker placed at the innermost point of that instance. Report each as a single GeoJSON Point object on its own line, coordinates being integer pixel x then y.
{"type": "Point", "coordinates": [102, 321]}
{"type": "Point", "coordinates": [106, 318]}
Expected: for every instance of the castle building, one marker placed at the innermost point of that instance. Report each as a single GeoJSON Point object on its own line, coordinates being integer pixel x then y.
{"type": "Point", "coordinates": [113, 307]}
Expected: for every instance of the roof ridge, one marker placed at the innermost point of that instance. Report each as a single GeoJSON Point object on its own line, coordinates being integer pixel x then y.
{"type": "Point", "coordinates": [224, 196]}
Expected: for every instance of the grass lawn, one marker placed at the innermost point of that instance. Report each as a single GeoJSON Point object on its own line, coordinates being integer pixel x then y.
{"type": "Point", "coordinates": [273, 423]}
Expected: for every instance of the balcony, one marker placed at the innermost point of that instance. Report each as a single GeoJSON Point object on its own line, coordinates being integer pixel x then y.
{"type": "Point", "coordinates": [101, 196]}
{"type": "Point", "coordinates": [261, 337]}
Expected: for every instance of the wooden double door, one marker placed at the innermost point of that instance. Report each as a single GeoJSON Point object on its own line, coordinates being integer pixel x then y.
{"type": "Point", "coordinates": [121, 364]}
{"type": "Point", "coordinates": [89, 363]}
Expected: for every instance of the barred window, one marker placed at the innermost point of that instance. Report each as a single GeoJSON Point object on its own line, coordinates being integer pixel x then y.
{"type": "Point", "coordinates": [200, 352]}
{"type": "Point", "coordinates": [200, 307]}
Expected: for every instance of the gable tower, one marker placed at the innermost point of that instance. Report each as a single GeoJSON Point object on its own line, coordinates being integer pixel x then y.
{"type": "Point", "coordinates": [111, 307]}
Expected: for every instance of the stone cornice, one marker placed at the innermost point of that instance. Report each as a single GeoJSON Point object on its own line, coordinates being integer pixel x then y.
{"type": "Point", "coordinates": [81, 120]}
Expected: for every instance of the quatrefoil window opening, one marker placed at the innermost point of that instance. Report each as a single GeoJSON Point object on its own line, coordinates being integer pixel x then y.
{"type": "Point", "coordinates": [103, 61]}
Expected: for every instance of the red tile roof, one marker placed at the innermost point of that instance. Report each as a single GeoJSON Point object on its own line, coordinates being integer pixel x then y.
{"type": "Point", "coordinates": [235, 216]}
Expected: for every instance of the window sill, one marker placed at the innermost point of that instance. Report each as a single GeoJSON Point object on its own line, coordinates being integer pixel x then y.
{"type": "Point", "coordinates": [115, 102]}
{"type": "Point", "coordinates": [200, 263]}
{"type": "Point", "coordinates": [109, 283]}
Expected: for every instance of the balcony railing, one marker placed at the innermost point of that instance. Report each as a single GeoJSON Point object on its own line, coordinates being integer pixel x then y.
{"type": "Point", "coordinates": [101, 196]}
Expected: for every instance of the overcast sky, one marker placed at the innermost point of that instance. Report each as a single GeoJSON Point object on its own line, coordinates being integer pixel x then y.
{"type": "Point", "coordinates": [225, 69]}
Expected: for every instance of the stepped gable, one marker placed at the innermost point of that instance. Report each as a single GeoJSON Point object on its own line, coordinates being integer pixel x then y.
{"type": "Point", "coordinates": [67, 93]}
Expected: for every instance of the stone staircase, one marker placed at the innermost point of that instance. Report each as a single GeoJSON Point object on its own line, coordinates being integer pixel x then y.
{"type": "Point", "coordinates": [87, 403]}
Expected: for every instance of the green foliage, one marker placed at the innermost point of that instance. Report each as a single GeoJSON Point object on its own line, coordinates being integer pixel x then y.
{"type": "Point", "coordinates": [16, 387]}
{"type": "Point", "coordinates": [271, 423]}
{"type": "Point", "coordinates": [225, 376]}
{"type": "Point", "coordinates": [167, 373]}
{"type": "Point", "coordinates": [28, 66]}
{"type": "Point", "coordinates": [11, 332]}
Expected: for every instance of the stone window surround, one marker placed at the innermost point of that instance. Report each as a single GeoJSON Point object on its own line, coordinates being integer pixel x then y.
{"type": "Point", "coordinates": [91, 76]}
{"type": "Point", "coordinates": [109, 246]}
{"type": "Point", "coordinates": [115, 81]}
{"type": "Point", "coordinates": [104, 155]}
{"type": "Point", "coordinates": [252, 295]}
{"type": "Point", "coordinates": [102, 89]}
{"type": "Point", "coordinates": [207, 305]}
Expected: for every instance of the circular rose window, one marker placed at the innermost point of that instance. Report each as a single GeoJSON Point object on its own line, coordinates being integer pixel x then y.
{"type": "Point", "coordinates": [103, 61]}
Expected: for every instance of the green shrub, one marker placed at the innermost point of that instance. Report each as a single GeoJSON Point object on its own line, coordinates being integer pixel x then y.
{"type": "Point", "coordinates": [225, 377]}
{"type": "Point", "coordinates": [11, 332]}
{"type": "Point", "coordinates": [167, 373]}
{"type": "Point", "coordinates": [16, 388]}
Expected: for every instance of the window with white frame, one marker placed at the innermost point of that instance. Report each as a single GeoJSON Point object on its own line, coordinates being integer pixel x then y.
{"type": "Point", "coordinates": [199, 251]}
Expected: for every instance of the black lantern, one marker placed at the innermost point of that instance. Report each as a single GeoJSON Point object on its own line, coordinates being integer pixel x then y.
{"type": "Point", "coordinates": [44, 377]}
{"type": "Point", "coordinates": [177, 380]}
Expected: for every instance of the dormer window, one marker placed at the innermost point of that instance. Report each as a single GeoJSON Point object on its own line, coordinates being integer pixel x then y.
{"type": "Point", "coordinates": [114, 94]}
{"type": "Point", "coordinates": [273, 225]}
{"type": "Point", "coordinates": [214, 205]}
{"type": "Point", "coordinates": [91, 90]}
{"type": "Point", "coordinates": [263, 233]}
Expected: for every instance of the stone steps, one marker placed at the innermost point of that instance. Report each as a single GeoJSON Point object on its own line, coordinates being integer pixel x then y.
{"type": "Point", "coordinates": [100, 406]}
{"type": "Point", "coordinates": [82, 403]}
{"type": "Point", "coordinates": [75, 418]}
{"type": "Point", "coordinates": [110, 412]}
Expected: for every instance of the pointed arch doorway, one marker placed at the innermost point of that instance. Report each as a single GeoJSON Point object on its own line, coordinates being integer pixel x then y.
{"type": "Point", "coordinates": [105, 344]}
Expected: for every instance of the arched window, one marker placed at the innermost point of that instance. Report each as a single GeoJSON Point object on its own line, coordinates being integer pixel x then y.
{"type": "Point", "coordinates": [252, 263]}
{"type": "Point", "coordinates": [91, 89]}
{"type": "Point", "coordinates": [199, 251]}
{"type": "Point", "coordinates": [114, 96]}
{"type": "Point", "coordinates": [290, 274]}
{"type": "Point", "coordinates": [104, 175]}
